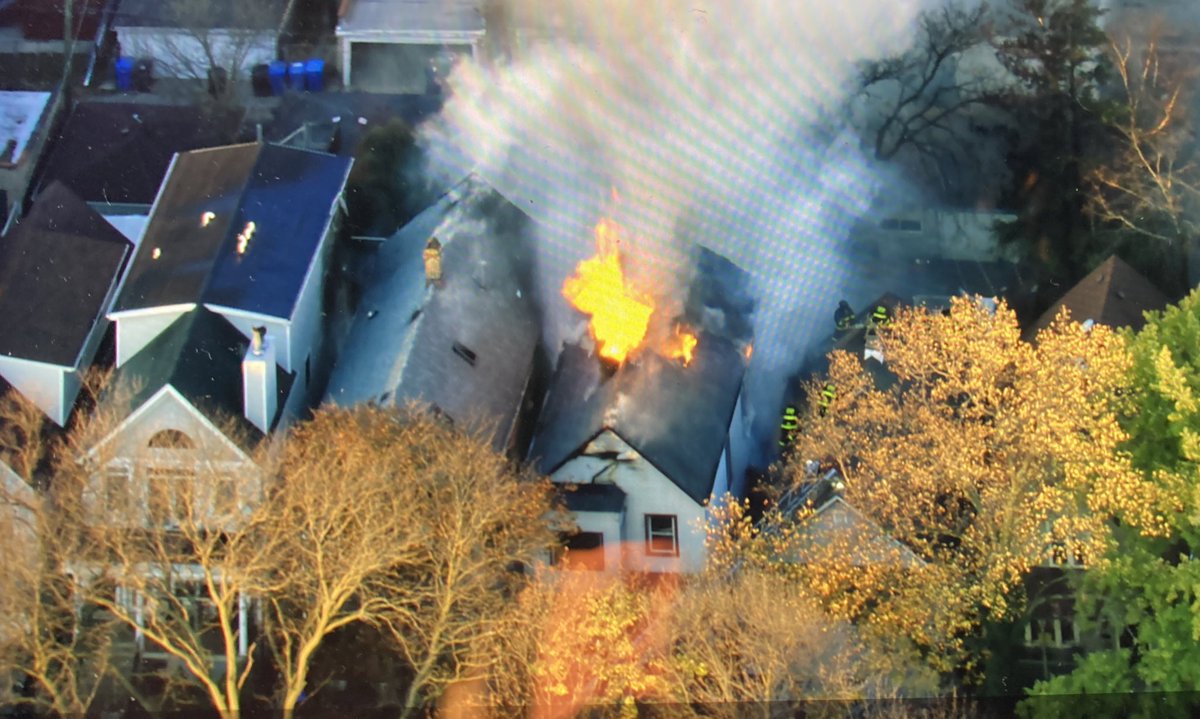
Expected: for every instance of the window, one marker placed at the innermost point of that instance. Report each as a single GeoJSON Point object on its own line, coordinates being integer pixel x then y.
{"type": "Point", "coordinates": [584, 550]}
{"type": "Point", "coordinates": [893, 223]}
{"type": "Point", "coordinates": [662, 536]}
{"type": "Point", "coordinates": [115, 492]}
{"type": "Point", "coordinates": [171, 439]}
{"type": "Point", "coordinates": [169, 494]}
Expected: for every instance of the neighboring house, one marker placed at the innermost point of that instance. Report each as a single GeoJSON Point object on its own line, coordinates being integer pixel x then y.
{"type": "Point", "coordinates": [116, 155]}
{"type": "Point", "coordinates": [1113, 294]}
{"type": "Point", "coordinates": [245, 231]}
{"type": "Point", "coordinates": [25, 122]}
{"type": "Point", "coordinates": [194, 402]}
{"type": "Point", "coordinates": [925, 232]}
{"type": "Point", "coordinates": [465, 344]}
{"type": "Point", "coordinates": [59, 271]}
{"type": "Point", "coordinates": [185, 39]}
{"type": "Point", "coordinates": [403, 46]}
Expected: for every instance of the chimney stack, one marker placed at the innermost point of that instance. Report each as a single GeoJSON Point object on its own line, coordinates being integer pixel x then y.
{"type": "Point", "coordinates": [259, 389]}
{"type": "Point", "coordinates": [433, 262]}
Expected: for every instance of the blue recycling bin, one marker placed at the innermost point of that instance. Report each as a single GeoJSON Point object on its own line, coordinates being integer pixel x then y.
{"type": "Point", "coordinates": [314, 72]}
{"type": "Point", "coordinates": [296, 76]}
{"type": "Point", "coordinates": [277, 76]}
{"type": "Point", "coordinates": [124, 72]}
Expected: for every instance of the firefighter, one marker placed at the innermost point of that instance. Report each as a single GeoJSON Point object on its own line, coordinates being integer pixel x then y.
{"type": "Point", "coordinates": [828, 394]}
{"type": "Point", "coordinates": [881, 316]}
{"type": "Point", "coordinates": [843, 318]}
{"type": "Point", "coordinates": [788, 426]}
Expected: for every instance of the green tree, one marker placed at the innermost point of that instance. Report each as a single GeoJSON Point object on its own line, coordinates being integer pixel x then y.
{"type": "Point", "coordinates": [1149, 590]}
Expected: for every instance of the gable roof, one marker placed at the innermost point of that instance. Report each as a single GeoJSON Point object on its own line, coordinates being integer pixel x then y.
{"type": "Point", "coordinates": [1113, 294]}
{"type": "Point", "coordinates": [288, 194]}
{"type": "Point", "coordinates": [836, 520]}
{"type": "Point", "coordinates": [676, 417]}
{"type": "Point", "coordinates": [200, 356]}
{"type": "Point", "coordinates": [119, 152]}
{"type": "Point", "coordinates": [466, 346]}
{"type": "Point", "coordinates": [57, 268]}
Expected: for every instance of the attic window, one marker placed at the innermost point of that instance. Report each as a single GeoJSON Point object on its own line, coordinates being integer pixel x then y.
{"type": "Point", "coordinates": [662, 535]}
{"type": "Point", "coordinates": [171, 439]}
{"type": "Point", "coordinates": [465, 352]}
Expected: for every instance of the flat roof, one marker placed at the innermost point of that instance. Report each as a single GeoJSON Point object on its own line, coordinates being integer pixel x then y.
{"type": "Point", "coordinates": [20, 114]}
{"type": "Point", "coordinates": [265, 14]}
{"type": "Point", "coordinates": [411, 20]}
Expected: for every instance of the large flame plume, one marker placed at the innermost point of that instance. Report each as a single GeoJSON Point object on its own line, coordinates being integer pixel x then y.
{"type": "Point", "coordinates": [598, 288]}
{"type": "Point", "coordinates": [620, 314]}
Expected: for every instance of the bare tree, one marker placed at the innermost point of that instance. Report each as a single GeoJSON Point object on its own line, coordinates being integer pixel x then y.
{"type": "Point", "coordinates": [402, 522]}
{"type": "Point", "coordinates": [919, 107]}
{"type": "Point", "coordinates": [1151, 185]}
{"type": "Point", "coordinates": [179, 550]}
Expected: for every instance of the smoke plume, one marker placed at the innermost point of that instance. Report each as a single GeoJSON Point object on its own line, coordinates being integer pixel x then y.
{"type": "Point", "coordinates": [717, 122]}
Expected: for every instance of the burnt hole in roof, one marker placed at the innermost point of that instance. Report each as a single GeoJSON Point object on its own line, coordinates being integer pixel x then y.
{"type": "Point", "coordinates": [465, 352]}
{"type": "Point", "coordinates": [413, 317]}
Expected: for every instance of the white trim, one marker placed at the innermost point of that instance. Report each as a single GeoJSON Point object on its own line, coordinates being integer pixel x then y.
{"type": "Point", "coordinates": [146, 406]}
{"type": "Point", "coordinates": [312, 261]}
{"type": "Point", "coordinates": [246, 314]}
{"type": "Point", "coordinates": [148, 311]}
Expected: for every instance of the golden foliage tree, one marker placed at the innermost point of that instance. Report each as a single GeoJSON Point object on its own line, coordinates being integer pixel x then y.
{"type": "Point", "coordinates": [985, 457]}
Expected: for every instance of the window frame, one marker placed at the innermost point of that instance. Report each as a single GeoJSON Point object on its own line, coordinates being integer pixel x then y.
{"type": "Point", "coordinates": [660, 534]}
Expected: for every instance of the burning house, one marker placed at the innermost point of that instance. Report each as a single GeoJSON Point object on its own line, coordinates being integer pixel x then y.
{"type": "Point", "coordinates": [643, 426]}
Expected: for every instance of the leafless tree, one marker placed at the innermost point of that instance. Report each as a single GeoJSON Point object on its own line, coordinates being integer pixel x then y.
{"type": "Point", "coordinates": [1150, 187]}
{"type": "Point", "coordinates": [921, 107]}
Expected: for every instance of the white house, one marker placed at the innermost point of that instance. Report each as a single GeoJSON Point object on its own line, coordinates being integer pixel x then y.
{"type": "Point", "coordinates": [59, 271]}
{"type": "Point", "coordinates": [644, 449]}
{"type": "Point", "coordinates": [392, 45]}
{"type": "Point", "coordinates": [464, 343]}
{"type": "Point", "coordinates": [185, 41]}
{"type": "Point", "coordinates": [246, 232]}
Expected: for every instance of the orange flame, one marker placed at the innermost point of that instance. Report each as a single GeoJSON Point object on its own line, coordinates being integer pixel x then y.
{"type": "Point", "coordinates": [598, 288]}
{"type": "Point", "coordinates": [749, 352]}
{"type": "Point", "coordinates": [682, 346]}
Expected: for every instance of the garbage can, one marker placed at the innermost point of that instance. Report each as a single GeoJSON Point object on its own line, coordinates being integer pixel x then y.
{"type": "Point", "coordinates": [296, 76]}
{"type": "Point", "coordinates": [124, 72]}
{"type": "Point", "coordinates": [143, 75]}
{"type": "Point", "coordinates": [314, 72]}
{"type": "Point", "coordinates": [260, 80]}
{"type": "Point", "coordinates": [277, 76]}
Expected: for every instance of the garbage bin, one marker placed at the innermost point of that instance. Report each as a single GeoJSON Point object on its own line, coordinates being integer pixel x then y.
{"type": "Point", "coordinates": [124, 72]}
{"type": "Point", "coordinates": [277, 75]}
{"type": "Point", "coordinates": [260, 80]}
{"type": "Point", "coordinates": [143, 75]}
{"type": "Point", "coordinates": [296, 76]}
{"type": "Point", "coordinates": [314, 72]}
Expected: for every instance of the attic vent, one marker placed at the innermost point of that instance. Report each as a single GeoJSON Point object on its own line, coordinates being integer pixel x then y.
{"type": "Point", "coordinates": [465, 352]}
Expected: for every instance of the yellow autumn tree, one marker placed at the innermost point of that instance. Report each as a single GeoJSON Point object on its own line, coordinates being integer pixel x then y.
{"type": "Point", "coordinates": [981, 455]}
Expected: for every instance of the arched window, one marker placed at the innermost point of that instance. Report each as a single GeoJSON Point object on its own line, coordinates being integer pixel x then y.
{"type": "Point", "coordinates": [171, 439]}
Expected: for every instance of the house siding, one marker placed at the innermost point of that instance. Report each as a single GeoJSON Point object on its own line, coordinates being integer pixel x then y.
{"type": "Point", "coordinates": [136, 331]}
{"type": "Point", "coordinates": [179, 54]}
{"type": "Point", "coordinates": [44, 385]}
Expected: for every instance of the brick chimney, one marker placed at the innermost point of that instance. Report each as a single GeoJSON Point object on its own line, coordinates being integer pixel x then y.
{"type": "Point", "coordinates": [259, 391]}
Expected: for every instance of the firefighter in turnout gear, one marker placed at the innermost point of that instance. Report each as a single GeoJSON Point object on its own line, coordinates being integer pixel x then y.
{"type": "Point", "coordinates": [843, 318]}
{"type": "Point", "coordinates": [828, 394]}
{"type": "Point", "coordinates": [881, 316]}
{"type": "Point", "coordinates": [788, 427]}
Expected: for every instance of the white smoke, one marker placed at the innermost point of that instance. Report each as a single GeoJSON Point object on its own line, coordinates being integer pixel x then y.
{"type": "Point", "coordinates": [718, 122]}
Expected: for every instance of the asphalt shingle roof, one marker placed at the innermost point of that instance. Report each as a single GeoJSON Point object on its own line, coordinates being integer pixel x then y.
{"type": "Point", "coordinates": [1113, 294]}
{"type": "Point", "coordinates": [57, 267]}
{"type": "Point", "coordinates": [287, 194]}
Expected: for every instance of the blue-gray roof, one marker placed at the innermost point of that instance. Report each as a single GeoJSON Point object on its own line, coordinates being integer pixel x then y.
{"type": "Point", "coordinates": [676, 417]}
{"type": "Point", "coordinates": [288, 194]}
{"type": "Point", "coordinates": [402, 344]}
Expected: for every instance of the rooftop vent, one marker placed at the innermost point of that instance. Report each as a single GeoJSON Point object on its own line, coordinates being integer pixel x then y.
{"type": "Point", "coordinates": [465, 352]}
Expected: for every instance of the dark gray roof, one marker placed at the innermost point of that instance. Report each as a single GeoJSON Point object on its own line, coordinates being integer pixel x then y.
{"type": "Point", "coordinates": [200, 355]}
{"type": "Point", "coordinates": [1113, 294]}
{"type": "Point", "coordinates": [595, 497]}
{"type": "Point", "coordinates": [57, 267]}
{"type": "Point", "coordinates": [676, 417]}
{"type": "Point", "coordinates": [253, 14]}
{"type": "Point", "coordinates": [288, 195]}
{"type": "Point", "coordinates": [402, 345]}
{"type": "Point", "coordinates": [119, 152]}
